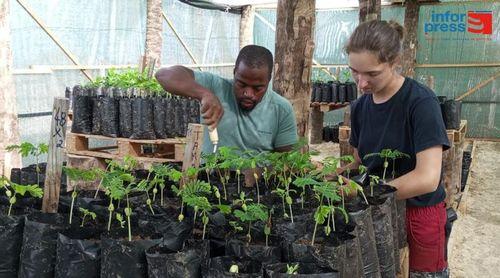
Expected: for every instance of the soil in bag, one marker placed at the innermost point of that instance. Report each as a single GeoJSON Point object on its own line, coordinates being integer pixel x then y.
{"type": "Point", "coordinates": [304, 270]}
{"type": "Point", "coordinates": [170, 117]}
{"type": "Point", "coordinates": [82, 111]}
{"type": "Point", "coordinates": [258, 252]}
{"type": "Point", "coordinates": [11, 239]}
{"type": "Point", "coordinates": [15, 175]}
{"type": "Point", "coordinates": [342, 93]}
{"type": "Point", "coordinates": [326, 93]}
{"type": "Point", "coordinates": [142, 119]}
{"type": "Point", "coordinates": [125, 111]}
{"type": "Point", "coordinates": [164, 262]}
{"type": "Point", "coordinates": [160, 117]}
{"type": "Point", "coordinates": [382, 226]}
{"type": "Point", "coordinates": [219, 267]}
{"type": "Point", "coordinates": [123, 258]}
{"type": "Point", "coordinates": [452, 114]}
{"type": "Point", "coordinates": [194, 111]}
{"type": "Point", "coordinates": [78, 253]}
{"type": "Point", "coordinates": [360, 213]}
{"type": "Point", "coordinates": [38, 253]}
{"type": "Point", "coordinates": [96, 111]}
{"type": "Point", "coordinates": [185, 117]}
{"type": "Point", "coordinates": [335, 92]}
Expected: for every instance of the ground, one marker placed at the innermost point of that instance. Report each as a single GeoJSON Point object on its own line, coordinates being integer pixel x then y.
{"type": "Point", "coordinates": [325, 149]}
{"type": "Point", "coordinates": [475, 239]}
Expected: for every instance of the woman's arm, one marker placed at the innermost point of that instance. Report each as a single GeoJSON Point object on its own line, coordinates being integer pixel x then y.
{"type": "Point", "coordinates": [424, 178]}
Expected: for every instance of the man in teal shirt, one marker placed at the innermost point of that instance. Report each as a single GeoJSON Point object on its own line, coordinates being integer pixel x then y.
{"type": "Point", "coordinates": [246, 114]}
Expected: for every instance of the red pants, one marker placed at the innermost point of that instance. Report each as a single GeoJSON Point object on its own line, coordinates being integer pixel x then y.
{"type": "Point", "coordinates": [426, 238]}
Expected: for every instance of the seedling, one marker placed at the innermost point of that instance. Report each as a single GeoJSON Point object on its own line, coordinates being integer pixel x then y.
{"type": "Point", "coordinates": [325, 190]}
{"type": "Point", "coordinates": [302, 183]}
{"type": "Point", "coordinates": [76, 174]}
{"type": "Point", "coordinates": [202, 205]}
{"type": "Point", "coordinates": [12, 189]}
{"type": "Point", "coordinates": [192, 189]}
{"type": "Point", "coordinates": [26, 149]}
{"type": "Point", "coordinates": [373, 181]}
{"type": "Point", "coordinates": [161, 173]}
{"type": "Point", "coordinates": [387, 154]}
{"type": "Point", "coordinates": [292, 269]}
{"type": "Point", "coordinates": [224, 157]}
{"type": "Point", "coordinates": [86, 213]}
{"type": "Point", "coordinates": [250, 213]}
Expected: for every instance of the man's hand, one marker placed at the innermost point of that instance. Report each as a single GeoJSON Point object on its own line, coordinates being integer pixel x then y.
{"type": "Point", "coordinates": [211, 109]}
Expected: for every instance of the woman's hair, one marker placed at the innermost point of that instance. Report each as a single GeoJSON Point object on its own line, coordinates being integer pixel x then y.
{"type": "Point", "coordinates": [378, 36]}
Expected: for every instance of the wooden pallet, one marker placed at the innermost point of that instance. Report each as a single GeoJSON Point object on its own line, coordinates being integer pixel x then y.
{"type": "Point", "coordinates": [166, 150]}
{"type": "Point", "coordinates": [325, 107]}
{"type": "Point", "coordinates": [458, 135]}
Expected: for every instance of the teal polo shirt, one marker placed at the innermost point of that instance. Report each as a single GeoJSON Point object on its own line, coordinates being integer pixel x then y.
{"type": "Point", "coordinates": [269, 125]}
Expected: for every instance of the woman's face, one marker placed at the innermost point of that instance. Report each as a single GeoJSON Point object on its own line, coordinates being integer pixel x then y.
{"type": "Point", "coordinates": [370, 75]}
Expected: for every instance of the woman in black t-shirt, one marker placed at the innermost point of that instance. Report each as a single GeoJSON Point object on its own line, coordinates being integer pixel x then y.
{"type": "Point", "coordinates": [398, 113]}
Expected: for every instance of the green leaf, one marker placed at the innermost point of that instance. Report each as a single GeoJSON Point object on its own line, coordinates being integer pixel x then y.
{"type": "Point", "coordinates": [321, 214]}
{"type": "Point", "coordinates": [225, 209]}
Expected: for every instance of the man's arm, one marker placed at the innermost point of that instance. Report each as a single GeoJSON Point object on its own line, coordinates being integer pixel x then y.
{"type": "Point", "coordinates": [180, 80]}
{"type": "Point", "coordinates": [424, 178]}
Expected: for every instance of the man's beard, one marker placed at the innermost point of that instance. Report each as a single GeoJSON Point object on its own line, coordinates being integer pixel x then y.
{"type": "Point", "coordinates": [242, 104]}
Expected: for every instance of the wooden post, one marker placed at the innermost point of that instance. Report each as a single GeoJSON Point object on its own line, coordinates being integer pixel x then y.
{"type": "Point", "coordinates": [154, 27]}
{"type": "Point", "coordinates": [55, 156]}
{"type": "Point", "coordinates": [316, 130]}
{"type": "Point", "coordinates": [369, 10]}
{"type": "Point", "coordinates": [294, 51]}
{"type": "Point", "coordinates": [194, 144]}
{"type": "Point", "coordinates": [410, 42]}
{"type": "Point", "coordinates": [9, 130]}
{"type": "Point", "coordinates": [246, 25]}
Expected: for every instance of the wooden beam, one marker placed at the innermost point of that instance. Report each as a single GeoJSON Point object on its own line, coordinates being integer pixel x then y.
{"type": "Point", "coordinates": [52, 36]}
{"type": "Point", "coordinates": [55, 156]}
{"type": "Point", "coordinates": [246, 25]}
{"type": "Point", "coordinates": [293, 56]}
{"type": "Point", "coordinates": [316, 123]}
{"type": "Point", "coordinates": [171, 25]}
{"type": "Point", "coordinates": [410, 42]}
{"type": "Point", "coordinates": [479, 86]}
{"type": "Point", "coordinates": [369, 10]}
{"type": "Point", "coordinates": [154, 29]}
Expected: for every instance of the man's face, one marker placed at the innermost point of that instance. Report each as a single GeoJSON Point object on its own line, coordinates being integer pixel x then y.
{"type": "Point", "coordinates": [370, 75]}
{"type": "Point", "coordinates": [250, 85]}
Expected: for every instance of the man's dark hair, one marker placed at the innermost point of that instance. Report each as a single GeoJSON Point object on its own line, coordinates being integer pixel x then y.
{"type": "Point", "coordinates": [255, 56]}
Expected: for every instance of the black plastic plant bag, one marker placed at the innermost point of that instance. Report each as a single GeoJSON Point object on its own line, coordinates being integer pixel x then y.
{"type": "Point", "coordinates": [38, 253]}
{"type": "Point", "coordinates": [352, 91]}
{"type": "Point", "coordinates": [258, 252]}
{"type": "Point", "coordinates": [29, 174]}
{"type": "Point", "coordinates": [160, 117]}
{"type": "Point", "coordinates": [110, 112]}
{"type": "Point", "coordinates": [353, 266]}
{"type": "Point", "coordinates": [164, 262]}
{"type": "Point", "coordinates": [15, 175]}
{"type": "Point", "coordinates": [218, 267]}
{"type": "Point", "coordinates": [82, 111]}
{"type": "Point", "coordinates": [452, 114]}
{"type": "Point", "coordinates": [327, 251]}
{"type": "Point", "coordinates": [142, 119]}
{"type": "Point", "coordinates": [360, 213]}
{"type": "Point", "coordinates": [125, 116]}
{"type": "Point", "coordinates": [313, 92]}
{"type": "Point", "coordinates": [185, 117]}
{"type": "Point", "coordinates": [78, 254]}
{"type": "Point", "coordinates": [123, 258]}
{"type": "Point", "coordinates": [96, 113]}
{"type": "Point", "coordinates": [170, 117]}
{"type": "Point", "coordinates": [382, 225]}
{"type": "Point", "coordinates": [401, 218]}
{"type": "Point", "coordinates": [194, 114]}
{"type": "Point", "coordinates": [326, 93]}
{"type": "Point", "coordinates": [342, 93]}
{"type": "Point", "coordinates": [177, 106]}
{"type": "Point", "coordinates": [11, 239]}
{"type": "Point", "coordinates": [305, 270]}
{"type": "Point", "coordinates": [335, 92]}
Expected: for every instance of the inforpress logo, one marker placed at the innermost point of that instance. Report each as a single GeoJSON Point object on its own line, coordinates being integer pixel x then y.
{"type": "Point", "coordinates": [480, 22]}
{"type": "Point", "coordinates": [477, 22]}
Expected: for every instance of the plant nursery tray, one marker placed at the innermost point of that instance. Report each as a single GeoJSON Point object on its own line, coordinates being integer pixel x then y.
{"type": "Point", "coordinates": [164, 150]}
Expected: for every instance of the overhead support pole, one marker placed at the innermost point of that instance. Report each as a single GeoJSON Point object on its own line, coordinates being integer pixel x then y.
{"type": "Point", "coordinates": [52, 36]}
{"type": "Point", "coordinates": [246, 26]}
{"type": "Point", "coordinates": [154, 28]}
{"type": "Point", "coordinates": [171, 25]}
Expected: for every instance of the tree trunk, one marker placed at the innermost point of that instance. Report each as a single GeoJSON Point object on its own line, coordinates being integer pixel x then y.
{"type": "Point", "coordinates": [9, 130]}
{"type": "Point", "coordinates": [246, 26]}
{"type": "Point", "coordinates": [154, 27]}
{"type": "Point", "coordinates": [293, 56]}
{"type": "Point", "coordinates": [316, 122]}
{"type": "Point", "coordinates": [410, 39]}
{"type": "Point", "coordinates": [369, 10]}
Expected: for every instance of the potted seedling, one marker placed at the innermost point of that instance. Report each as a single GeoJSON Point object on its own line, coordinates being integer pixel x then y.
{"type": "Point", "coordinates": [26, 149]}
{"type": "Point", "coordinates": [325, 190]}
{"type": "Point", "coordinates": [192, 189]}
{"type": "Point", "coordinates": [387, 154]}
{"type": "Point", "coordinates": [161, 172]}
{"type": "Point", "coordinates": [224, 157]}
{"type": "Point", "coordinates": [13, 189]}
{"type": "Point", "coordinates": [249, 213]}
{"type": "Point", "coordinates": [76, 174]}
